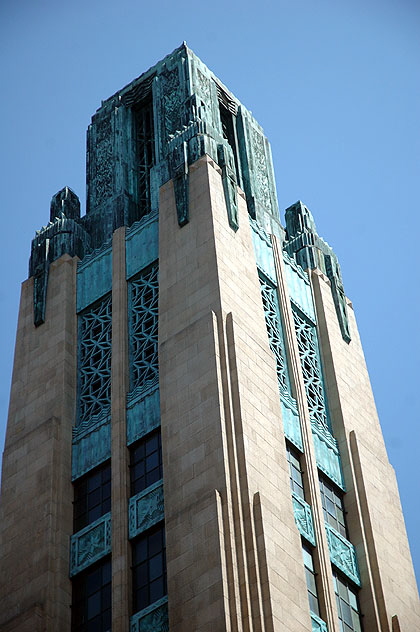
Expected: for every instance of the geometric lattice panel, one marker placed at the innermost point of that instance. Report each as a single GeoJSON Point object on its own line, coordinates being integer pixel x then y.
{"type": "Point", "coordinates": [95, 331]}
{"type": "Point", "coordinates": [312, 374]}
{"type": "Point", "coordinates": [144, 294]}
{"type": "Point", "coordinates": [275, 332]}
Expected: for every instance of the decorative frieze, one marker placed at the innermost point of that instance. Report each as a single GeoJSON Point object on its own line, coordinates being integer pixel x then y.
{"type": "Point", "coordinates": [318, 625]}
{"type": "Point", "coordinates": [291, 422]}
{"type": "Point", "coordinates": [327, 454]}
{"type": "Point", "coordinates": [91, 444]}
{"type": "Point", "coordinates": [343, 554]}
{"type": "Point", "coordinates": [154, 618]}
{"type": "Point", "coordinates": [145, 509]}
{"type": "Point", "coordinates": [143, 410]}
{"type": "Point", "coordinates": [303, 518]}
{"type": "Point", "coordinates": [299, 287]}
{"type": "Point", "coordinates": [94, 276]}
{"type": "Point", "coordinates": [90, 544]}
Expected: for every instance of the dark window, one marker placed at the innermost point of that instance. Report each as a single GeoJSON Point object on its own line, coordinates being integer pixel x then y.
{"type": "Point", "coordinates": [310, 580]}
{"type": "Point", "coordinates": [92, 496]}
{"type": "Point", "coordinates": [347, 605]}
{"type": "Point", "coordinates": [296, 481]}
{"type": "Point", "coordinates": [145, 462]}
{"type": "Point", "coordinates": [144, 134]}
{"type": "Point", "coordinates": [332, 504]}
{"type": "Point", "coordinates": [229, 133]}
{"type": "Point", "coordinates": [149, 567]}
{"type": "Point", "coordinates": [91, 607]}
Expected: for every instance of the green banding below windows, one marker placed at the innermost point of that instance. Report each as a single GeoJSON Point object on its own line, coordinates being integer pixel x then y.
{"type": "Point", "coordinates": [299, 287]}
{"type": "Point", "coordinates": [94, 370]}
{"type": "Point", "coordinates": [303, 518]}
{"type": "Point", "coordinates": [142, 244]}
{"type": "Point", "coordinates": [291, 422]}
{"type": "Point", "coordinates": [91, 444]}
{"type": "Point", "coordinates": [94, 276]}
{"type": "Point", "coordinates": [143, 327]}
{"type": "Point", "coordinates": [263, 251]}
{"type": "Point", "coordinates": [145, 509]}
{"type": "Point", "coordinates": [318, 625]}
{"type": "Point", "coordinates": [143, 411]}
{"type": "Point", "coordinates": [90, 544]}
{"type": "Point", "coordinates": [343, 554]}
{"type": "Point", "coordinates": [154, 618]}
{"type": "Point", "coordinates": [327, 454]}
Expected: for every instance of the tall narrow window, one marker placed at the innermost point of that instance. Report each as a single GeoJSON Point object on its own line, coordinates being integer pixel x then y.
{"type": "Point", "coordinates": [310, 580]}
{"type": "Point", "coordinates": [92, 496]}
{"type": "Point", "coordinates": [144, 134]}
{"type": "Point", "coordinates": [275, 331]}
{"type": "Point", "coordinates": [144, 294]}
{"type": "Point", "coordinates": [228, 130]}
{"type": "Point", "coordinates": [149, 567]}
{"type": "Point", "coordinates": [347, 605]}
{"type": "Point", "coordinates": [91, 607]}
{"type": "Point", "coordinates": [332, 504]}
{"type": "Point", "coordinates": [145, 462]}
{"type": "Point", "coordinates": [296, 480]}
{"type": "Point", "coordinates": [95, 329]}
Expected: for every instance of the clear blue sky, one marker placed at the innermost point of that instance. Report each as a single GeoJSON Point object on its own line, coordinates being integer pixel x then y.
{"type": "Point", "coordinates": [336, 87]}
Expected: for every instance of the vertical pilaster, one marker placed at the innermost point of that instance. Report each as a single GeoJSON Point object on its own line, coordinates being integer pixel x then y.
{"type": "Point", "coordinates": [36, 502]}
{"type": "Point", "coordinates": [374, 514]}
{"type": "Point", "coordinates": [326, 596]}
{"type": "Point", "coordinates": [119, 454]}
{"type": "Point", "coordinates": [233, 550]}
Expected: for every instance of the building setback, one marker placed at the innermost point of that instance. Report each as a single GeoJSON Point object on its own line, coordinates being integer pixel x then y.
{"type": "Point", "coordinates": [192, 442]}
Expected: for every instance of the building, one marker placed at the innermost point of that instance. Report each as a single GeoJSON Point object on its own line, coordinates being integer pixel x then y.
{"type": "Point", "coordinates": [192, 441]}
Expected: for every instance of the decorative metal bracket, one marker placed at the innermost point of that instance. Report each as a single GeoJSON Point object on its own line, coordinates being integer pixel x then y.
{"type": "Point", "coordinates": [178, 162]}
{"type": "Point", "coordinates": [311, 251]}
{"type": "Point", "coordinates": [225, 160]}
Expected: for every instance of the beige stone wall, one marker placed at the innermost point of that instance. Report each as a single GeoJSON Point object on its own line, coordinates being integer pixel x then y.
{"type": "Point", "coordinates": [36, 502]}
{"type": "Point", "coordinates": [233, 550]}
{"type": "Point", "coordinates": [375, 520]}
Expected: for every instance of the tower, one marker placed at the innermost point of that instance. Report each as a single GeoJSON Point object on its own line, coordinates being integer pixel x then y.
{"type": "Point", "coordinates": [192, 438]}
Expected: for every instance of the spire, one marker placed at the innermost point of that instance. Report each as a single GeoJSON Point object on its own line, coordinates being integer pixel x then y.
{"type": "Point", "coordinates": [311, 251]}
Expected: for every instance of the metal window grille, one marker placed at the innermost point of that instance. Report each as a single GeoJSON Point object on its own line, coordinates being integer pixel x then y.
{"type": "Point", "coordinates": [144, 292]}
{"type": "Point", "coordinates": [307, 340]}
{"type": "Point", "coordinates": [95, 331]}
{"type": "Point", "coordinates": [275, 332]}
